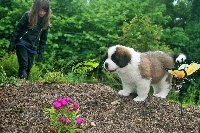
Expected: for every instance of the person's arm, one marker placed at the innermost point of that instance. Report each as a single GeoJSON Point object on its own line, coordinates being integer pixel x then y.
{"type": "Point", "coordinates": [18, 29]}
{"type": "Point", "coordinates": [42, 44]}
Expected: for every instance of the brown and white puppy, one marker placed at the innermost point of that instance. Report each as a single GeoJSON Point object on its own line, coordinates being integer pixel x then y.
{"type": "Point", "coordinates": [142, 70]}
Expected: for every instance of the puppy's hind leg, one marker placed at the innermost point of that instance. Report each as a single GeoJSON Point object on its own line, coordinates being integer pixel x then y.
{"type": "Point", "coordinates": [164, 91]}
{"type": "Point", "coordinates": [156, 88]}
{"type": "Point", "coordinates": [127, 89]}
{"type": "Point", "coordinates": [143, 88]}
{"type": "Point", "coordinates": [165, 87]}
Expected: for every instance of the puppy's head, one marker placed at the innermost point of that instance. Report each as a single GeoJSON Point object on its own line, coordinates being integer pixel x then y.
{"type": "Point", "coordinates": [117, 57]}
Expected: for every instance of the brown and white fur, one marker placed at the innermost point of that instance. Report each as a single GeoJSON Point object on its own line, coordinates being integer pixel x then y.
{"type": "Point", "coordinates": [142, 70]}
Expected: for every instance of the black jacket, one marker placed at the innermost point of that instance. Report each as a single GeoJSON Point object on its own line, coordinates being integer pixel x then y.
{"type": "Point", "coordinates": [34, 39]}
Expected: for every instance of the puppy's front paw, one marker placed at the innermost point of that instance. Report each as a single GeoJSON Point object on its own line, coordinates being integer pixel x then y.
{"type": "Point", "coordinates": [123, 93]}
{"type": "Point", "coordinates": [139, 99]}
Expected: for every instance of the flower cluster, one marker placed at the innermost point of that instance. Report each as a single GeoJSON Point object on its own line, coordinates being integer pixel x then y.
{"type": "Point", "coordinates": [64, 102]}
{"type": "Point", "coordinates": [64, 115]}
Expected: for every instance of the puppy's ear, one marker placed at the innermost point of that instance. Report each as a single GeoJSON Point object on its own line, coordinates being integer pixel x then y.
{"type": "Point", "coordinates": [121, 58]}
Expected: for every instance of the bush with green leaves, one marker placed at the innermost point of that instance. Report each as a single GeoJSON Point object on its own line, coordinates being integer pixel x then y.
{"type": "Point", "coordinates": [73, 77]}
{"type": "Point", "coordinates": [4, 80]}
{"type": "Point", "coordinates": [175, 38]}
{"type": "Point", "coordinates": [142, 35]}
{"type": "Point", "coordinates": [193, 50]}
{"type": "Point", "coordinates": [111, 79]}
{"type": "Point", "coordinates": [81, 72]}
{"type": "Point", "coordinates": [35, 74]}
{"type": "Point", "coordinates": [10, 64]}
{"type": "Point", "coordinates": [189, 95]}
{"type": "Point", "coordinates": [3, 77]}
{"type": "Point", "coordinates": [54, 77]}
{"type": "Point", "coordinates": [85, 66]}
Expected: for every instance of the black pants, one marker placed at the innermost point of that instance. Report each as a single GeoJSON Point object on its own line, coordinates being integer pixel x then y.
{"type": "Point", "coordinates": [25, 60]}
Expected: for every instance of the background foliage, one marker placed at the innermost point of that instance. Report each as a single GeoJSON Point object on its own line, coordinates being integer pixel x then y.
{"type": "Point", "coordinates": [81, 32]}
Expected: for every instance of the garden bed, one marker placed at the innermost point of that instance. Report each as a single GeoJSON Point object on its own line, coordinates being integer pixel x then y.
{"type": "Point", "coordinates": [102, 110]}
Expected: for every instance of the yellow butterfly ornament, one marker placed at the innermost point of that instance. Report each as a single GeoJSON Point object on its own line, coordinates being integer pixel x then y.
{"type": "Point", "coordinates": [185, 70]}
{"type": "Point", "coordinates": [180, 75]}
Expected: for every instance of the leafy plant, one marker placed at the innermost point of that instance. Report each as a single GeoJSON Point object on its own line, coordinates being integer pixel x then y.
{"type": "Point", "coordinates": [64, 116]}
{"type": "Point", "coordinates": [112, 80]}
{"type": "Point", "coordinates": [175, 38]}
{"type": "Point", "coordinates": [3, 77]}
{"type": "Point", "coordinates": [35, 74]}
{"type": "Point", "coordinates": [7, 80]}
{"type": "Point", "coordinates": [54, 77]}
{"type": "Point", "coordinates": [141, 34]}
{"type": "Point", "coordinates": [10, 65]}
{"type": "Point", "coordinates": [85, 66]}
{"type": "Point", "coordinates": [73, 77]}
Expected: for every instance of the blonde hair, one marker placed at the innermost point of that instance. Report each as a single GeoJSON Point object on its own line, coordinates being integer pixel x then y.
{"type": "Point", "coordinates": [34, 11]}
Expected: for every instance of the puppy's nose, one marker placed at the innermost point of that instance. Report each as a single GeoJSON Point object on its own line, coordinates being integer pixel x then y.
{"type": "Point", "coordinates": [106, 65]}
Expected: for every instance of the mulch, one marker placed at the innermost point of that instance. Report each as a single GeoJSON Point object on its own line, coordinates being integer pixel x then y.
{"type": "Point", "coordinates": [102, 110]}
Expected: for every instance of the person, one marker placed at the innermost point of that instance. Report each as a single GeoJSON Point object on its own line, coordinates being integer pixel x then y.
{"type": "Point", "coordinates": [30, 35]}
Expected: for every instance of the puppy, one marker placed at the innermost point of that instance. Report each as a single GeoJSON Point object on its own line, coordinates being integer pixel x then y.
{"type": "Point", "coordinates": [141, 70]}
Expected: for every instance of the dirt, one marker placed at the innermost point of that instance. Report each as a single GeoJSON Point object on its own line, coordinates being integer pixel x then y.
{"type": "Point", "coordinates": [102, 110]}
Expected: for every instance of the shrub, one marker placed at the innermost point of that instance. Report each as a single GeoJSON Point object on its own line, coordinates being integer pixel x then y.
{"type": "Point", "coordinates": [7, 80]}
{"type": "Point", "coordinates": [35, 74]}
{"type": "Point", "coordinates": [54, 77]}
{"type": "Point", "coordinates": [73, 77]}
{"type": "Point", "coordinates": [10, 65]}
{"type": "Point", "coordinates": [141, 34]}
{"type": "Point", "coordinates": [85, 66]}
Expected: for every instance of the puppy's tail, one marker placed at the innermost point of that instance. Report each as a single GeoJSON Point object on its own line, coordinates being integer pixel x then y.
{"type": "Point", "coordinates": [179, 58]}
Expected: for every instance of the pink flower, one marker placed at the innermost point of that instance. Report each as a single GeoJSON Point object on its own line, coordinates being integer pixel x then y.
{"type": "Point", "coordinates": [68, 99]}
{"type": "Point", "coordinates": [75, 106]}
{"type": "Point", "coordinates": [79, 120]}
{"type": "Point", "coordinates": [63, 102]}
{"type": "Point", "coordinates": [57, 105]}
{"type": "Point", "coordinates": [70, 109]}
{"type": "Point", "coordinates": [60, 99]}
{"type": "Point", "coordinates": [67, 121]}
{"type": "Point", "coordinates": [61, 119]}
